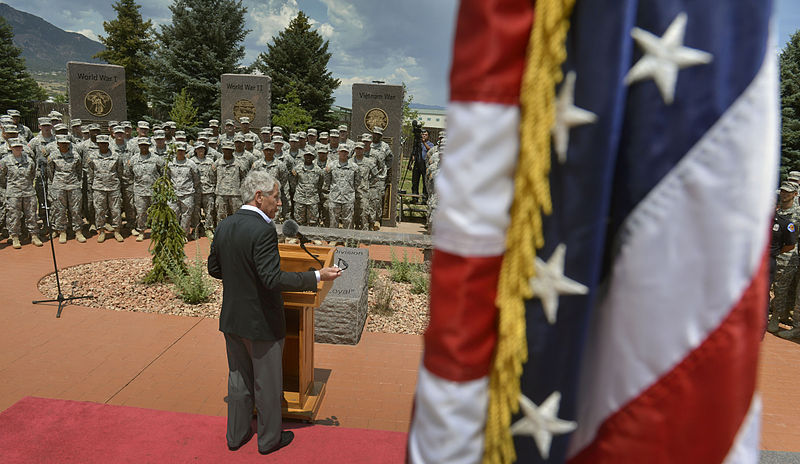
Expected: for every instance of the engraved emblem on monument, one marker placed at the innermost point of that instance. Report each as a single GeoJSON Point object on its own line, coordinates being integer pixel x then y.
{"type": "Point", "coordinates": [98, 103]}
{"type": "Point", "coordinates": [244, 108]}
{"type": "Point", "coordinates": [376, 117]}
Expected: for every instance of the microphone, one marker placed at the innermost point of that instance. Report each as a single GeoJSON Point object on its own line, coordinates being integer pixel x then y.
{"type": "Point", "coordinates": [291, 229]}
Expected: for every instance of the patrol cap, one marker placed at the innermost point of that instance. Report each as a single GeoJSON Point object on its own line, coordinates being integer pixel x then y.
{"type": "Point", "coordinates": [343, 148]}
{"type": "Point", "coordinates": [60, 127]}
{"type": "Point", "coordinates": [84, 130]}
{"type": "Point", "coordinates": [342, 127]}
{"type": "Point", "coordinates": [94, 127]}
{"type": "Point", "coordinates": [55, 115]}
{"type": "Point", "coordinates": [158, 127]}
{"type": "Point", "coordinates": [278, 130]}
{"type": "Point", "coordinates": [13, 113]}
{"type": "Point", "coordinates": [293, 138]}
{"type": "Point", "coordinates": [794, 175]}
{"type": "Point", "coordinates": [377, 130]}
{"type": "Point", "coordinates": [238, 138]}
{"type": "Point", "coordinates": [309, 153]}
{"type": "Point", "coordinates": [102, 138]}
{"type": "Point", "coordinates": [301, 135]}
{"type": "Point", "coordinates": [229, 122]}
{"type": "Point", "coordinates": [143, 125]}
{"type": "Point", "coordinates": [312, 131]}
{"type": "Point", "coordinates": [278, 139]}
{"type": "Point", "coordinates": [359, 145]}
{"type": "Point", "coordinates": [268, 146]}
{"type": "Point", "coordinates": [159, 134]}
{"type": "Point", "coordinates": [15, 142]}
{"type": "Point", "coordinates": [113, 123]}
{"type": "Point", "coordinates": [244, 120]}
{"type": "Point", "coordinates": [180, 134]}
{"type": "Point", "coordinates": [213, 140]}
{"type": "Point", "coordinates": [199, 145]}
{"type": "Point", "coordinates": [788, 186]}
{"type": "Point", "coordinates": [63, 139]}
{"type": "Point", "coordinates": [143, 141]}
{"type": "Point", "coordinates": [11, 129]}
{"type": "Point", "coordinates": [334, 133]}
{"type": "Point", "coordinates": [366, 138]}
{"type": "Point", "coordinates": [119, 130]}
{"type": "Point", "coordinates": [213, 123]}
{"type": "Point", "coordinates": [227, 145]}
{"type": "Point", "coordinates": [171, 124]}
{"type": "Point", "coordinates": [202, 136]}
{"type": "Point", "coordinates": [77, 122]}
{"type": "Point", "coordinates": [250, 137]}
{"type": "Point", "coordinates": [126, 124]}
{"type": "Point", "coordinates": [45, 122]}
{"type": "Point", "coordinates": [7, 119]}
{"type": "Point", "coordinates": [180, 146]}
{"type": "Point", "coordinates": [323, 135]}
{"type": "Point", "coordinates": [323, 149]}
{"type": "Point", "coordinates": [266, 130]}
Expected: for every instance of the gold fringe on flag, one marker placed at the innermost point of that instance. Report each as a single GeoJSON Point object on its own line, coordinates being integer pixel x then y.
{"type": "Point", "coordinates": [546, 52]}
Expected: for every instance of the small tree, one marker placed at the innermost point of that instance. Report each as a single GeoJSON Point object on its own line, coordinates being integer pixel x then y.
{"type": "Point", "coordinates": [409, 114]}
{"type": "Point", "coordinates": [17, 88]}
{"type": "Point", "coordinates": [167, 237]}
{"type": "Point", "coordinates": [290, 115]}
{"type": "Point", "coordinates": [790, 105]}
{"type": "Point", "coordinates": [184, 113]}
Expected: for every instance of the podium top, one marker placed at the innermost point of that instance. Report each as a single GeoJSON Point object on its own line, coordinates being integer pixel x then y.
{"type": "Point", "coordinates": [294, 259]}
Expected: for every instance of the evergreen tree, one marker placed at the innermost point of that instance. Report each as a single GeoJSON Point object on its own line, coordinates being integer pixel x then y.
{"type": "Point", "coordinates": [203, 41]}
{"type": "Point", "coordinates": [790, 105]}
{"type": "Point", "coordinates": [18, 90]}
{"type": "Point", "coordinates": [290, 114]}
{"type": "Point", "coordinates": [298, 55]}
{"type": "Point", "coordinates": [129, 43]}
{"type": "Point", "coordinates": [167, 237]}
{"type": "Point", "coordinates": [184, 113]}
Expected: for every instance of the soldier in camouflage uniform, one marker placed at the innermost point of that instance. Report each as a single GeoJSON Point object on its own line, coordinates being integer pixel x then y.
{"type": "Point", "coordinates": [75, 131]}
{"type": "Point", "coordinates": [144, 168]}
{"type": "Point", "coordinates": [205, 208]}
{"type": "Point", "coordinates": [323, 162]}
{"type": "Point", "coordinates": [265, 136]}
{"type": "Point", "coordinates": [105, 173]}
{"type": "Point", "coordinates": [23, 130]}
{"type": "Point", "coordinates": [160, 141]}
{"type": "Point", "coordinates": [368, 174]}
{"type": "Point", "coordinates": [230, 174]}
{"type": "Point", "coordinates": [230, 132]}
{"type": "Point", "coordinates": [17, 171]}
{"type": "Point", "coordinates": [65, 174]}
{"type": "Point", "coordinates": [787, 263]}
{"type": "Point", "coordinates": [121, 150]}
{"type": "Point", "coordinates": [185, 178]}
{"type": "Point", "coordinates": [252, 145]}
{"type": "Point", "coordinates": [142, 130]}
{"type": "Point", "coordinates": [333, 143]}
{"type": "Point", "coordinates": [343, 178]}
{"type": "Point", "coordinates": [276, 168]}
{"type": "Point", "coordinates": [86, 150]}
{"type": "Point", "coordinates": [308, 184]}
{"type": "Point", "coordinates": [245, 158]}
{"type": "Point", "coordinates": [433, 163]}
{"type": "Point", "coordinates": [344, 140]}
{"type": "Point", "coordinates": [382, 153]}
{"type": "Point", "coordinates": [286, 195]}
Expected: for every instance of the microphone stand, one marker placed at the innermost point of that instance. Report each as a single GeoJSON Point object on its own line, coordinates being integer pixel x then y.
{"type": "Point", "coordinates": [303, 241]}
{"type": "Point", "coordinates": [60, 299]}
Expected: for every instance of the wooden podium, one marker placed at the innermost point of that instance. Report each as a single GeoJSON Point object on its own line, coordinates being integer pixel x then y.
{"type": "Point", "coordinates": [302, 395]}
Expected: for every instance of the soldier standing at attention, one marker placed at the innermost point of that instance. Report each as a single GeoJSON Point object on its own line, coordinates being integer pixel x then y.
{"type": "Point", "coordinates": [245, 158]}
{"type": "Point", "coordinates": [230, 131]}
{"type": "Point", "coordinates": [344, 140]}
{"type": "Point", "coordinates": [265, 136]}
{"type": "Point", "coordinates": [344, 179]}
{"type": "Point", "coordinates": [142, 130]}
{"type": "Point", "coordinates": [38, 146]}
{"type": "Point", "coordinates": [308, 184]}
{"type": "Point", "coordinates": [787, 263]}
{"type": "Point", "coordinates": [23, 130]}
{"type": "Point", "coordinates": [122, 150]}
{"type": "Point", "coordinates": [17, 171]}
{"type": "Point", "coordinates": [334, 142]}
{"type": "Point", "coordinates": [144, 168]}
{"type": "Point", "coordinates": [368, 174]}
{"type": "Point", "coordinates": [323, 162]}
{"type": "Point", "coordinates": [186, 180]}
{"type": "Point", "coordinates": [230, 174]}
{"type": "Point", "coordinates": [75, 127]}
{"type": "Point", "coordinates": [275, 167]}
{"type": "Point", "coordinates": [86, 150]}
{"type": "Point", "coordinates": [160, 139]}
{"type": "Point", "coordinates": [105, 173]}
{"type": "Point", "coordinates": [205, 209]}
{"type": "Point", "coordinates": [65, 171]}
{"type": "Point", "coordinates": [213, 124]}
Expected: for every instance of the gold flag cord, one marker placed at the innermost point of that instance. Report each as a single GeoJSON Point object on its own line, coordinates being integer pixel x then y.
{"type": "Point", "coordinates": [545, 55]}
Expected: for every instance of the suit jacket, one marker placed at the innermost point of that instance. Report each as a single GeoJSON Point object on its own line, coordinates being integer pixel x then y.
{"type": "Point", "coordinates": [244, 254]}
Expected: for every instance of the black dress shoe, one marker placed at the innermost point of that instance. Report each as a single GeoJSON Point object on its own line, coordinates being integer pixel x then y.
{"type": "Point", "coordinates": [244, 442]}
{"type": "Point", "coordinates": [286, 438]}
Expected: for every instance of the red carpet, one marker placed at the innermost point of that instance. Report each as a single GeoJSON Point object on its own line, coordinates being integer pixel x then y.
{"type": "Point", "coordinates": [39, 430]}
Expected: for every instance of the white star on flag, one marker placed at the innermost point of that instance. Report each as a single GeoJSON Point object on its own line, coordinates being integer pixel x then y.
{"type": "Point", "coordinates": [542, 422]}
{"type": "Point", "coordinates": [550, 282]}
{"type": "Point", "coordinates": [568, 116]}
{"type": "Point", "coordinates": [664, 57]}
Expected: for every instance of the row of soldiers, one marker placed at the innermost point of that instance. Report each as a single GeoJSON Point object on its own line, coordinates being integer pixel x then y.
{"type": "Point", "coordinates": [786, 281]}
{"type": "Point", "coordinates": [327, 179]}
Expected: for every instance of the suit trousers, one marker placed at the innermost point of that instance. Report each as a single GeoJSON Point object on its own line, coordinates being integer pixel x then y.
{"type": "Point", "coordinates": [255, 376]}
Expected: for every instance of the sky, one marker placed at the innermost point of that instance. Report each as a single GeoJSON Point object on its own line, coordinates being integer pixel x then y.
{"type": "Point", "coordinates": [393, 41]}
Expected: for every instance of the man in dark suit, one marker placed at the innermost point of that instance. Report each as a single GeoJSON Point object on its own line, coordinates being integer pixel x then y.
{"type": "Point", "coordinates": [244, 254]}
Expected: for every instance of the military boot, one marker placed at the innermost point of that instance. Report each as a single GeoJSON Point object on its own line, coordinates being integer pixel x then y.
{"type": "Point", "coordinates": [101, 237]}
{"type": "Point", "coordinates": [79, 236]}
{"type": "Point", "coordinates": [140, 238]}
{"type": "Point", "coordinates": [118, 236]}
{"type": "Point", "coordinates": [62, 237]}
{"type": "Point", "coordinates": [15, 242]}
{"type": "Point", "coordinates": [773, 326]}
{"type": "Point", "coordinates": [35, 240]}
{"type": "Point", "coordinates": [109, 227]}
{"type": "Point", "coordinates": [135, 232]}
{"type": "Point", "coordinates": [792, 334]}
{"type": "Point", "coordinates": [210, 235]}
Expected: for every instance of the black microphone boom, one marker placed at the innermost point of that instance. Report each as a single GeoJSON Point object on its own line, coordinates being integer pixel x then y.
{"type": "Point", "coordinates": [292, 229]}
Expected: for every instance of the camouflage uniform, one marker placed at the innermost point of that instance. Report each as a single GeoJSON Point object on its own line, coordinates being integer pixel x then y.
{"type": "Point", "coordinates": [785, 274]}
{"type": "Point", "coordinates": [144, 170]}
{"type": "Point", "coordinates": [309, 180]}
{"type": "Point", "coordinates": [368, 173]}
{"type": "Point", "coordinates": [105, 174]}
{"type": "Point", "coordinates": [382, 154]}
{"type": "Point", "coordinates": [87, 150]}
{"type": "Point", "coordinates": [343, 179]}
{"type": "Point", "coordinates": [206, 207]}
{"type": "Point", "coordinates": [124, 153]}
{"type": "Point", "coordinates": [430, 180]}
{"type": "Point", "coordinates": [17, 175]}
{"type": "Point", "coordinates": [65, 171]}
{"type": "Point", "coordinates": [277, 169]}
{"type": "Point", "coordinates": [185, 178]}
{"type": "Point", "coordinates": [230, 174]}
{"type": "Point", "coordinates": [324, 210]}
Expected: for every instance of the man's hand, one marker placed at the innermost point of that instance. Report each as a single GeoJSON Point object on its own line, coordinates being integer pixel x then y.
{"type": "Point", "coordinates": [329, 273]}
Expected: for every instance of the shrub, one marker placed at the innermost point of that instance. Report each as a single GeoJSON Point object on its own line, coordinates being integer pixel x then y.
{"type": "Point", "coordinates": [403, 271]}
{"type": "Point", "coordinates": [192, 285]}
{"type": "Point", "coordinates": [420, 283]}
{"type": "Point", "coordinates": [372, 274]}
{"type": "Point", "coordinates": [384, 292]}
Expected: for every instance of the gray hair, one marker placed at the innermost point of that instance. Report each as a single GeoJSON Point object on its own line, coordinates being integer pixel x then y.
{"type": "Point", "coordinates": [258, 180]}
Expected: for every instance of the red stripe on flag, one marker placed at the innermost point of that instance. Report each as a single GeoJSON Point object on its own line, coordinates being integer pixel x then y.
{"type": "Point", "coordinates": [693, 413]}
{"type": "Point", "coordinates": [489, 55]}
{"type": "Point", "coordinates": [461, 336]}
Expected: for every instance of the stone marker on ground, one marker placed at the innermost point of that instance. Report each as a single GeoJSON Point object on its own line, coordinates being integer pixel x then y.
{"type": "Point", "coordinates": [381, 105]}
{"type": "Point", "coordinates": [246, 95]}
{"type": "Point", "coordinates": [96, 92]}
{"type": "Point", "coordinates": [341, 317]}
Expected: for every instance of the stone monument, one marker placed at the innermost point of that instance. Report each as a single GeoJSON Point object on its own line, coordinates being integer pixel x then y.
{"type": "Point", "coordinates": [381, 105]}
{"type": "Point", "coordinates": [341, 317]}
{"type": "Point", "coordinates": [246, 95]}
{"type": "Point", "coordinates": [96, 92]}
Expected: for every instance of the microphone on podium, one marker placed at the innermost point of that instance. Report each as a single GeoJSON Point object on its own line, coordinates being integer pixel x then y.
{"type": "Point", "coordinates": [291, 229]}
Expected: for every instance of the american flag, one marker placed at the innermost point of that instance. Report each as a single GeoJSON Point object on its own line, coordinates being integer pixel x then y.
{"type": "Point", "coordinates": [650, 289]}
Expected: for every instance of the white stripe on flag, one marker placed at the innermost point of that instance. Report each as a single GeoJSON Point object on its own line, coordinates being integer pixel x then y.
{"type": "Point", "coordinates": [448, 421]}
{"type": "Point", "coordinates": [745, 447]}
{"type": "Point", "coordinates": [475, 184]}
{"type": "Point", "coordinates": [686, 255]}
